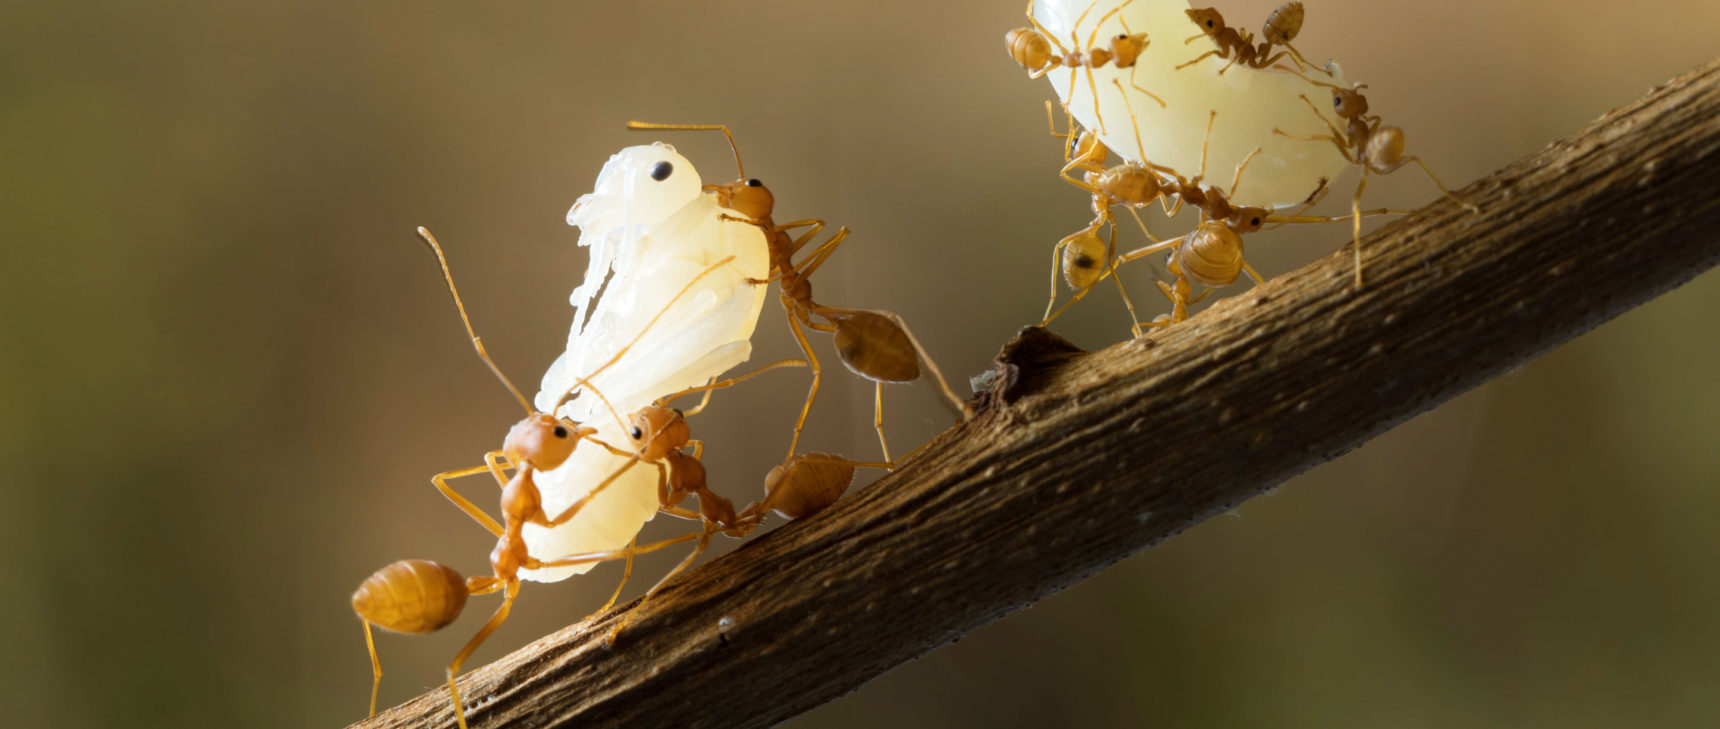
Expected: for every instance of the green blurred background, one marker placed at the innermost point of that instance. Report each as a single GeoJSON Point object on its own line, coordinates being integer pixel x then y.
{"type": "Point", "coordinates": [227, 369]}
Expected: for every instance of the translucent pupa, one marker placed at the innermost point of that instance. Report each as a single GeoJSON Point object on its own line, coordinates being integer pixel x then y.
{"type": "Point", "coordinates": [651, 230]}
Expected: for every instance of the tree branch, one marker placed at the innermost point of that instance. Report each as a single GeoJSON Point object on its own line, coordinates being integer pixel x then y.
{"type": "Point", "coordinates": [1077, 460]}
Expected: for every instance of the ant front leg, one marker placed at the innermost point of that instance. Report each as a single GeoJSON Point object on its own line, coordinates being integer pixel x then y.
{"type": "Point", "coordinates": [471, 509]}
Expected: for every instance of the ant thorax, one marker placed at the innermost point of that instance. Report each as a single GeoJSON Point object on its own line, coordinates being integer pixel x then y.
{"type": "Point", "coordinates": [1250, 102]}
{"type": "Point", "coordinates": [651, 229]}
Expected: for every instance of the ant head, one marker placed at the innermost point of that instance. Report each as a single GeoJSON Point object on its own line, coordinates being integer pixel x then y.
{"type": "Point", "coordinates": [638, 186]}
{"type": "Point", "coordinates": [750, 198]}
{"type": "Point", "coordinates": [1209, 20]}
{"type": "Point", "coordinates": [1349, 104]}
{"type": "Point", "coordinates": [1127, 48]}
{"type": "Point", "coordinates": [1246, 219]}
{"type": "Point", "coordinates": [656, 430]}
{"type": "Point", "coordinates": [543, 441]}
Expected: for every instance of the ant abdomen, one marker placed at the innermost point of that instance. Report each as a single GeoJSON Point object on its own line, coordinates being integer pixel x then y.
{"type": "Point", "coordinates": [874, 347]}
{"type": "Point", "coordinates": [1283, 24]}
{"type": "Point", "coordinates": [807, 483]}
{"type": "Point", "coordinates": [411, 596]}
{"type": "Point", "coordinates": [1029, 48]}
{"type": "Point", "coordinates": [1385, 146]}
{"type": "Point", "coordinates": [1211, 255]}
{"type": "Point", "coordinates": [1083, 258]}
{"type": "Point", "coordinates": [1130, 184]}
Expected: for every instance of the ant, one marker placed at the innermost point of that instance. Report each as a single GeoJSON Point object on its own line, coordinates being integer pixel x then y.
{"type": "Point", "coordinates": [1031, 49]}
{"type": "Point", "coordinates": [1212, 254]}
{"type": "Point", "coordinates": [798, 487]}
{"type": "Point", "coordinates": [1364, 142]}
{"type": "Point", "coordinates": [874, 344]}
{"type": "Point", "coordinates": [420, 597]}
{"type": "Point", "coordinates": [1281, 27]}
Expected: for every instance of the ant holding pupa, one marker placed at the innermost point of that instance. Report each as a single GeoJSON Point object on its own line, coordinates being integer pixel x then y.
{"type": "Point", "coordinates": [416, 596]}
{"type": "Point", "coordinates": [1282, 26]}
{"type": "Point", "coordinates": [874, 344]}
{"type": "Point", "coordinates": [1212, 254]}
{"type": "Point", "coordinates": [1031, 48]}
{"type": "Point", "coordinates": [1367, 143]}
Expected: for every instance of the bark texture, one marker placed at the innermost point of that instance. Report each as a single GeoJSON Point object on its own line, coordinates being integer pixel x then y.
{"type": "Point", "coordinates": [1077, 460]}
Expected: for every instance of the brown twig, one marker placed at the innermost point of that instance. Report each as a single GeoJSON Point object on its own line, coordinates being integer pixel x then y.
{"type": "Point", "coordinates": [1077, 460]}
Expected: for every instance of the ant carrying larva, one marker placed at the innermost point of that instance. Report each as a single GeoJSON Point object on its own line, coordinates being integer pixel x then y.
{"type": "Point", "coordinates": [872, 343]}
{"type": "Point", "coordinates": [1031, 48]}
{"type": "Point", "coordinates": [421, 597]}
{"type": "Point", "coordinates": [1366, 143]}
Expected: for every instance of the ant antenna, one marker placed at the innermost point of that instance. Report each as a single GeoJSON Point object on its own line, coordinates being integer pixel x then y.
{"type": "Point", "coordinates": [448, 276]}
{"type": "Point", "coordinates": [642, 126]}
{"type": "Point", "coordinates": [586, 380]}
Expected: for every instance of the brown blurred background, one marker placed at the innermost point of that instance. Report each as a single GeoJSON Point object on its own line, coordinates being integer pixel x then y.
{"type": "Point", "coordinates": [227, 368]}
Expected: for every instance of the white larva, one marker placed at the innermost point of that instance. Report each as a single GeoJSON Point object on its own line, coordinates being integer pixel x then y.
{"type": "Point", "coordinates": [651, 230]}
{"type": "Point", "coordinates": [1250, 103]}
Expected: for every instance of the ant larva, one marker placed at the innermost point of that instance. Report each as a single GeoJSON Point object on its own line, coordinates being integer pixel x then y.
{"type": "Point", "coordinates": [1251, 101]}
{"type": "Point", "coordinates": [1031, 49]}
{"type": "Point", "coordinates": [1364, 142]}
{"type": "Point", "coordinates": [1281, 27]}
{"type": "Point", "coordinates": [872, 343]}
{"type": "Point", "coordinates": [419, 597]}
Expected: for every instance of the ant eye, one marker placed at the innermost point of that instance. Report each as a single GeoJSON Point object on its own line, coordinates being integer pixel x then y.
{"type": "Point", "coordinates": [1122, 36]}
{"type": "Point", "coordinates": [1337, 101]}
{"type": "Point", "coordinates": [661, 171]}
{"type": "Point", "coordinates": [560, 431]}
{"type": "Point", "coordinates": [1255, 221]}
{"type": "Point", "coordinates": [754, 183]}
{"type": "Point", "coordinates": [636, 433]}
{"type": "Point", "coordinates": [1209, 24]}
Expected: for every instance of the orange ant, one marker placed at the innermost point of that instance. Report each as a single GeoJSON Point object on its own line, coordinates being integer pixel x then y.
{"type": "Point", "coordinates": [1031, 49]}
{"type": "Point", "coordinates": [420, 597]}
{"type": "Point", "coordinates": [1281, 27]}
{"type": "Point", "coordinates": [1364, 142]}
{"type": "Point", "coordinates": [874, 344]}
{"type": "Point", "coordinates": [1212, 254]}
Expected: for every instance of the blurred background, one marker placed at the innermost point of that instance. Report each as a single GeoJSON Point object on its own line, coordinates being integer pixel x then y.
{"type": "Point", "coordinates": [227, 368]}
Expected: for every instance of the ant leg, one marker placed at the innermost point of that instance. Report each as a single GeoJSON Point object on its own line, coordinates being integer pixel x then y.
{"type": "Point", "coordinates": [1145, 251]}
{"type": "Point", "coordinates": [625, 574]}
{"type": "Point", "coordinates": [501, 614]}
{"type": "Point", "coordinates": [574, 508]}
{"type": "Point", "coordinates": [375, 666]}
{"type": "Point", "coordinates": [1356, 212]}
{"type": "Point", "coordinates": [1253, 274]}
{"type": "Point", "coordinates": [710, 387]}
{"type": "Point", "coordinates": [704, 541]}
{"type": "Point", "coordinates": [1093, 88]}
{"type": "Point", "coordinates": [1056, 264]}
{"type": "Point", "coordinates": [823, 251]}
{"type": "Point", "coordinates": [1197, 59]}
{"type": "Point", "coordinates": [1236, 182]}
{"type": "Point", "coordinates": [1430, 176]}
{"type": "Point", "coordinates": [817, 375]}
{"type": "Point", "coordinates": [878, 417]}
{"type": "Point", "coordinates": [609, 555]}
{"type": "Point", "coordinates": [1155, 97]}
{"type": "Point", "coordinates": [471, 509]}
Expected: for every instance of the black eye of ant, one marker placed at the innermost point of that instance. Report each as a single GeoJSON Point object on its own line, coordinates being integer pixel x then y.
{"type": "Point", "coordinates": [1122, 36]}
{"type": "Point", "coordinates": [560, 431]}
{"type": "Point", "coordinates": [661, 171]}
{"type": "Point", "coordinates": [1255, 221]}
{"type": "Point", "coordinates": [636, 433]}
{"type": "Point", "coordinates": [1337, 101]}
{"type": "Point", "coordinates": [1209, 24]}
{"type": "Point", "coordinates": [754, 183]}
